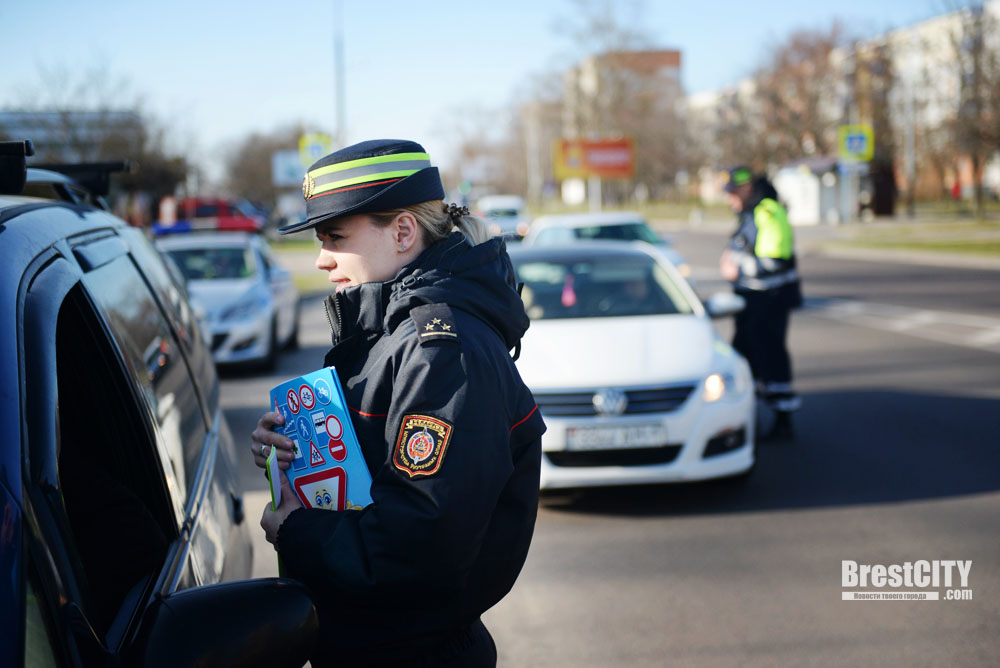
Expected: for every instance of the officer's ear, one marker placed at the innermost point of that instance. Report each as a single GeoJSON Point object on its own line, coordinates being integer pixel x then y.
{"type": "Point", "coordinates": [406, 231]}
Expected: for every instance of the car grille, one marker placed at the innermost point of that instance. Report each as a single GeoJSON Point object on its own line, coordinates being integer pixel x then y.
{"type": "Point", "coordinates": [656, 400]}
{"type": "Point", "coordinates": [624, 457]}
{"type": "Point", "coordinates": [218, 340]}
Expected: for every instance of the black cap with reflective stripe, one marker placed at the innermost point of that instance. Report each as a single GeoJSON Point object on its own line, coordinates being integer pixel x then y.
{"type": "Point", "coordinates": [373, 176]}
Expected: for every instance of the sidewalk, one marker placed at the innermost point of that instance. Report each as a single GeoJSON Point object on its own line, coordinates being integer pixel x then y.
{"type": "Point", "coordinates": [835, 240]}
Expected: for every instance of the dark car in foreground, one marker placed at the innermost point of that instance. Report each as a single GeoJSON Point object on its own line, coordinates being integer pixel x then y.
{"type": "Point", "coordinates": [123, 539]}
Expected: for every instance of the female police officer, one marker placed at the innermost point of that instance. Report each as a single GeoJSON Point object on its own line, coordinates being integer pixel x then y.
{"type": "Point", "coordinates": [423, 317]}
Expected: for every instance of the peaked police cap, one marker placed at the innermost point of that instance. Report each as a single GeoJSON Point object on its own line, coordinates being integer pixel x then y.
{"type": "Point", "coordinates": [373, 176]}
{"type": "Point", "coordinates": [738, 176]}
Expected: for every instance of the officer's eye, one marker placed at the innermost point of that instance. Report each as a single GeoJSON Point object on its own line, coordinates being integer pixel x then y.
{"type": "Point", "coordinates": [326, 236]}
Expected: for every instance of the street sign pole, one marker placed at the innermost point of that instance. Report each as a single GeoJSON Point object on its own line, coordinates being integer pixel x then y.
{"type": "Point", "coordinates": [594, 192]}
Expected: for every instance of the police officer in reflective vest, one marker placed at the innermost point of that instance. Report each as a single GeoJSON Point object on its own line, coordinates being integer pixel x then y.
{"type": "Point", "coordinates": [760, 262]}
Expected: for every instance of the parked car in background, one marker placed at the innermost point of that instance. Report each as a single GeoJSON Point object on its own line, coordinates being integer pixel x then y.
{"type": "Point", "coordinates": [606, 226]}
{"type": "Point", "coordinates": [633, 381]}
{"type": "Point", "coordinates": [123, 528]}
{"type": "Point", "coordinates": [248, 303]}
{"type": "Point", "coordinates": [506, 215]}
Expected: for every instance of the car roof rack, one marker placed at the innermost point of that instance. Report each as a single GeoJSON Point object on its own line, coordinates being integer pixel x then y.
{"type": "Point", "coordinates": [94, 176]}
{"type": "Point", "coordinates": [13, 168]}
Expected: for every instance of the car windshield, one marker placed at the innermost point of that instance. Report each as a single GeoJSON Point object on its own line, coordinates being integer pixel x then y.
{"type": "Point", "coordinates": [637, 231]}
{"type": "Point", "coordinates": [598, 287]}
{"type": "Point", "coordinates": [502, 213]}
{"type": "Point", "coordinates": [211, 263]}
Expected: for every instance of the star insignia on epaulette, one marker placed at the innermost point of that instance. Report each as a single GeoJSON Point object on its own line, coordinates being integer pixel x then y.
{"type": "Point", "coordinates": [434, 322]}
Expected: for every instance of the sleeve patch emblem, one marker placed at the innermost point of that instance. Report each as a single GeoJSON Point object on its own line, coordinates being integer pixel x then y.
{"type": "Point", "coordinates": [421, 445]}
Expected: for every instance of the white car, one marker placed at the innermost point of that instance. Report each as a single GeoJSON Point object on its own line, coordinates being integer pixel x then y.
{"type": "Point", "coordinates": [505, 214]}
{"type": "Point", "coordinates": [634, 382]}
{"type": "Point", "coordinates": [603, 226]}
{"type": "Point", "coordinates": [248, 304]}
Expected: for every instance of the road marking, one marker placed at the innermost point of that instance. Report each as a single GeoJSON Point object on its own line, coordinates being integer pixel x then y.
{"type": "Point", "coordinates": [960, 329]}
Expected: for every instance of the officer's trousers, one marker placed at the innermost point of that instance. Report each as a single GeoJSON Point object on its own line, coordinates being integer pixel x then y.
{"type": "Point", "coordinates": [761, 330]}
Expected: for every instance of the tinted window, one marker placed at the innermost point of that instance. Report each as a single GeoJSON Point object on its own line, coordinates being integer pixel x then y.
{"type": "Point", "coordinates": [152, 354]}
{"type": "Point", "coordinates": [618, 286]}
{"type": "Point", "coordinates": [111, 483]}
{"type": "Point", "coordinates": [626, 232]}
{"type": "Point", "coordinates": [503, 213]}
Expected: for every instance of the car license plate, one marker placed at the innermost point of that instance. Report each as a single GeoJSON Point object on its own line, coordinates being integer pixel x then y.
{"type": "Point", "coordinates": [621, 436]}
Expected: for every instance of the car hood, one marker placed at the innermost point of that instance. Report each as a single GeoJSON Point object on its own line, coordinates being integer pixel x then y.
{"type": "Point", "coordinates": [219, 292]}
{"type": "Point", "coordinates": [595, 352]}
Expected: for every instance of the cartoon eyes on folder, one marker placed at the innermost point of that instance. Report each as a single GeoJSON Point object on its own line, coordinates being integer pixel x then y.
{"type": "Point", "coordinates": [323, 489]}
{"type": "Point", "coordinates": [323, 498]}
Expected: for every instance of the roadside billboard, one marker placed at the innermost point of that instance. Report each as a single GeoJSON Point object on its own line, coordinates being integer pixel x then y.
{"type": "Point", "coordinates": [602, 158]}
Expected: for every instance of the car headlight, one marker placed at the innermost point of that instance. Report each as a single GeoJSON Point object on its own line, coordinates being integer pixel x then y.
{"type": "Point", "coordinates": [246, 307]}
{"type": "Point", "coordinates": [684, 269]}
{"type": "Point", "coordinates": [720, 385]}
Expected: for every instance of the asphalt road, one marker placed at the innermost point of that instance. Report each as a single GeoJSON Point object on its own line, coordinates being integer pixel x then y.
{"type": "Point", "coordinates": [895, 460]}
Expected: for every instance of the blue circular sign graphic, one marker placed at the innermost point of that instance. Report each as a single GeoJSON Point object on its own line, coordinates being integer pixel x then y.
{"type": "Point", "coordinates": [304, 428]}
{"type": "Point", "coordinates": [323, 392]}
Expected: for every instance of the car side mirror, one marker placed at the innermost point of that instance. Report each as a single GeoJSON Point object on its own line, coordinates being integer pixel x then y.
{"type": "Point", "coordinates": [268, 623]}
{"type": "Point", "coordinates": [722, 304]}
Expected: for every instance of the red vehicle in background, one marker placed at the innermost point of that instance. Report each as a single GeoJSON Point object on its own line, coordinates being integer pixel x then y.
{"type": "Point", "coordinates": [218, 213]}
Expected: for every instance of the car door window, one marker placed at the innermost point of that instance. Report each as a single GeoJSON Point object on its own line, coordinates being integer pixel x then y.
{"type": "Point", "coordinates": [114, 491]}
{"type": "Point", "coordinates": [151, 352]}
{"type": "Point", "coordinates": [166, 283]}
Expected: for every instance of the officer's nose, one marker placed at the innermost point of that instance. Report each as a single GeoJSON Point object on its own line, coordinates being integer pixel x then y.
{"type": "Point", "coordinates": [325, 260]}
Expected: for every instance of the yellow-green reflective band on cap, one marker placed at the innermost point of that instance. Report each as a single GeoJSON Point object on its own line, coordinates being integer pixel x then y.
{"type": "Point", "coordinates": [361, 162]}
{"type": "Point", "coordinates": [366, 170]}
{"type": "Point", "coordinates": [380, 176]}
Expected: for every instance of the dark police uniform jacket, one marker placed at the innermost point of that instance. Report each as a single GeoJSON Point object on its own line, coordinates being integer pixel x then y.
{"type": "Point", "coordinates": [763, 249]}
{"type": "Point", "coordinates": [452, 438]}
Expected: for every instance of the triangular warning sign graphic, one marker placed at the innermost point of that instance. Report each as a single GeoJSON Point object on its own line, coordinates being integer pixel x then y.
{"type": "Point", "coordinates": [315, 456]}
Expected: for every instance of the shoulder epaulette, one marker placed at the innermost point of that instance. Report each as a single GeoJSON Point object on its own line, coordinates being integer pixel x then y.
{"type": "Point", "coordinates": [434, 322]}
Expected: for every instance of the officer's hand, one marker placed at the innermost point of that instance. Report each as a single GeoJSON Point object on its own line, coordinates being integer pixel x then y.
{"type": "Point", "coordinates": [729, 270]}
{"type": "Point", "coordinates": [263, 439]}
{"type": "Point", "coordinates": [272, 520]}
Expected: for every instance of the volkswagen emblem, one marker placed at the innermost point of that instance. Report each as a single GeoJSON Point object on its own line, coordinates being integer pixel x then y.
{"type": "Point", "coordinates": [610, 402]}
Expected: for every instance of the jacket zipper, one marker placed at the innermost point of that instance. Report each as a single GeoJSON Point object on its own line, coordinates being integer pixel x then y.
{"type": "Point", "coordinates": [336, 317]}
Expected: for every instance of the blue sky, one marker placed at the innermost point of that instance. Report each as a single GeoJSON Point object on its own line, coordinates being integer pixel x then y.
{"type": "Point", "coordinates": [211, 72]}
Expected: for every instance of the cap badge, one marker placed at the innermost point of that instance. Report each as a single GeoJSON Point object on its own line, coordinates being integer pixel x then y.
{"type": "Point", "coordinates": [308, 186]}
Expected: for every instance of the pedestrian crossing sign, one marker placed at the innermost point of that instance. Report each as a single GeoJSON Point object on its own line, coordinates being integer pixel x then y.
{"type": "Point", "coordinates": [855, 143]}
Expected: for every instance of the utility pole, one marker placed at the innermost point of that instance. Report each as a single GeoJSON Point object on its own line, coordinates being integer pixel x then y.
{"type": "Point", "coordinates": [340, 134]}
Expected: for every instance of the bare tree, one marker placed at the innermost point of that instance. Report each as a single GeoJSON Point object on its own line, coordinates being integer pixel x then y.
{"type": "Point", "coordinates": [795, 96]}
{"type": "Point", "coordinates": [976, 122]}
{"type": "Point", "coordinates": [93, 115]}
{"type": "Point", "coordinates": [624, 86]}
{"type": "Point", "coordinates": [248, 163]}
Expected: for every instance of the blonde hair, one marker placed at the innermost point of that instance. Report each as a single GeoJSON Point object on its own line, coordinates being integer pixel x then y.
{"type": "Point", "coordinates": [436, 223]}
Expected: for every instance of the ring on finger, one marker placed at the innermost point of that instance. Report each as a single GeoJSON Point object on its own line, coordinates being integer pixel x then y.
{"type": "Point", "coordinates": [262, 453]}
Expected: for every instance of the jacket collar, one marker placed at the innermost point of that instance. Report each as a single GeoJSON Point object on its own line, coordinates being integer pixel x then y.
{"type": "Point", "coordinates": [361, 309]}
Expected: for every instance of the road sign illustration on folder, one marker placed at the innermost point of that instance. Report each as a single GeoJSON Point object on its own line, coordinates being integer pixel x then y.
{"type": "Point", "coordinates": [329, 470]}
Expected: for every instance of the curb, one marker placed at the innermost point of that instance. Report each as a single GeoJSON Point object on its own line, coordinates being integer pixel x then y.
{"type": "Point", "coordinates": [912, 257]}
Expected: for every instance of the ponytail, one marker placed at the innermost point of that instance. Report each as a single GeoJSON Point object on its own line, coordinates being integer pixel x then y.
{"type": "Point", "coordinates": [437, 220]}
